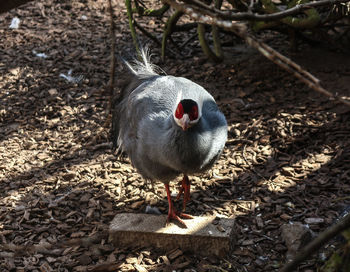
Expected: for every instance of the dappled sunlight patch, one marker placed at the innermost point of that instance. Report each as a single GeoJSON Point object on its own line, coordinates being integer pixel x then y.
{"type": "Point", "coordinates": [284, 177]}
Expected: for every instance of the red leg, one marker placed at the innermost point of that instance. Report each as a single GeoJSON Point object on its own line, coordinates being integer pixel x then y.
{"type": "Point", "coordinates": [181, 190]}
{"type": "Point", "coordinates": [185, 188]}
{"type": "Point", "coordinates": [172, 213]}
{"type": "Point", "coordinates": [186, 184]}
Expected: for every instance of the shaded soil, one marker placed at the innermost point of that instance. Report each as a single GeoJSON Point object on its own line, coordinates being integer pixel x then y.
{"type": "Point", "coordinates": [286, 159]}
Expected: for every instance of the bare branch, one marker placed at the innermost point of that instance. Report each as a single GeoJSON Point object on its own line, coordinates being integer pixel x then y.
{"type": "Point", "coordinates": [208, 19]}
{"type": "Point", "coordinates": [151, 12]}
{"type": "Point", "coordinates": [146, 33]}
{"type": "Point", "coordinates": [290, 66]}
{"type": "Point", "coordinates": [240, 29]}
{"type": "Point", "coordinates": [229, 15]}
{"type": "Point", "coordinates": [205, 47]}
{"type": "Point", "coordinates": [216, 34]}
{"type": "Point", "coordinates": [169, 28]}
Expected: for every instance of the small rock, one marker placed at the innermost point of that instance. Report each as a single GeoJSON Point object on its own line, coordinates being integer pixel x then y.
{"type": "Point", "coordinates": [296, 235]}
{"type": "Point", "coordinates": [152, 210]}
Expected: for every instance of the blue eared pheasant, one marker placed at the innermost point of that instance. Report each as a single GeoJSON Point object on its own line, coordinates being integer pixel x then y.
{"type": "Point", "coordinates": [167, 126]}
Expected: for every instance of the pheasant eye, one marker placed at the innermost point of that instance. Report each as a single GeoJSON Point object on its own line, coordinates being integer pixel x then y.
{"type": "Point", "coordinates": [194, 113]}
{"type": "Point", "coordinates": [179, 111]}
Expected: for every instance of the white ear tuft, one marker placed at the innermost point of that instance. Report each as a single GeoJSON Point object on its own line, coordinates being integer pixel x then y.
{"type": "Point", "coordinates": [144, 68]}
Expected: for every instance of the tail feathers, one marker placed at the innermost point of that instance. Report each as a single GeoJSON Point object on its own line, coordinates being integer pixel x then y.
{"type": "Point", "coordinates": [141, 71]}
{"type": "Point", "coordinates": [143, 68]}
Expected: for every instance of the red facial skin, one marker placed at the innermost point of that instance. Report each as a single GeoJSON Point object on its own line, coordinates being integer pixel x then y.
{"type": "Point", "coordinates": [179, 111]}
{"type": "Point", "coordinates": [193, 114]}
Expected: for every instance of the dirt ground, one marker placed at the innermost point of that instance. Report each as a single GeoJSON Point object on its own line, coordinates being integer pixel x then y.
{"type": "Point", "coordinates": [286, 159]}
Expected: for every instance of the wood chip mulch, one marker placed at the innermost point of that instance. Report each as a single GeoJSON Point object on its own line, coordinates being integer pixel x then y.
{"type": "Point", "coordinates": [286, 159]}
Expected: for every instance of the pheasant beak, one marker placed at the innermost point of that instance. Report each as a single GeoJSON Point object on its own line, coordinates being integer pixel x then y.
{"type": "Point", "coordinates": [185, 122]}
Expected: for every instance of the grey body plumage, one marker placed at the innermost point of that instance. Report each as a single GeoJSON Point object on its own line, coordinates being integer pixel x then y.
{"type": "Point", "coordinates": [143, 125]}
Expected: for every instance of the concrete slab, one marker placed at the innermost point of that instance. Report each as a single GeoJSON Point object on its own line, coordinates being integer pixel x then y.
{"type": "Point", "coordinates": [203, 235]}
